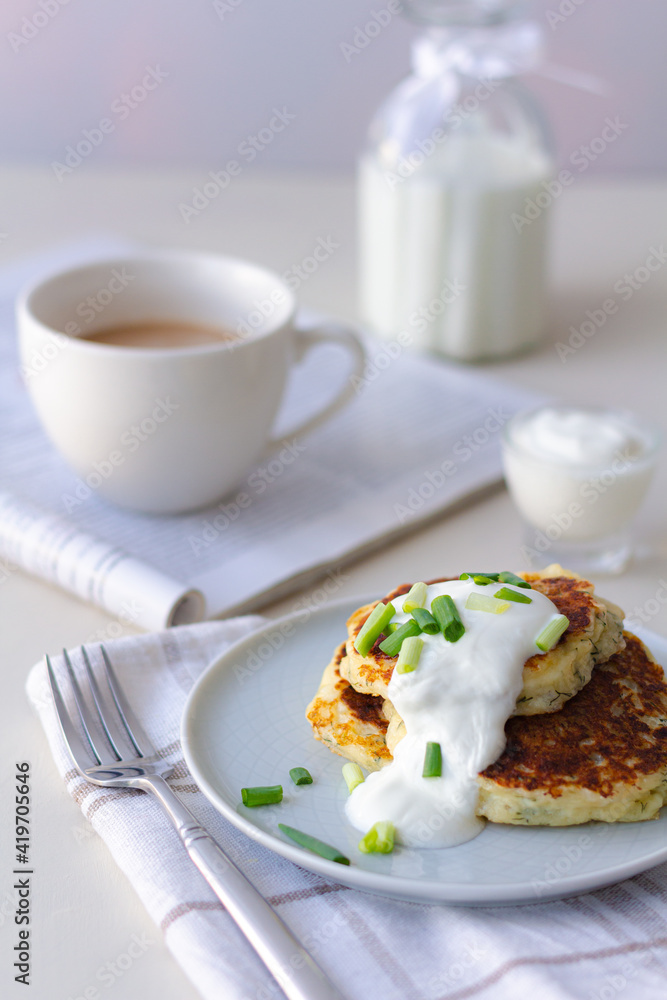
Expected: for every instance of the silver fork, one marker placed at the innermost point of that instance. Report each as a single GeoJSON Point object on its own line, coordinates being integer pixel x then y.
{"type": "Point", "coordinates": [125, 758]}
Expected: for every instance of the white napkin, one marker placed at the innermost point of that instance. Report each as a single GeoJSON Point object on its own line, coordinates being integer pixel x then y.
{"type": "Point", "coordinates": [593, 947]}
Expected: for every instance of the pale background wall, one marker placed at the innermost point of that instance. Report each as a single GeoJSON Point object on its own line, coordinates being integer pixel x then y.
{"type": "Point", "coordinates": [228, 68]}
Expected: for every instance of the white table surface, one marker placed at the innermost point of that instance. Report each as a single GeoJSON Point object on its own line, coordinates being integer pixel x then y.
{"type": "Point", "coordinates": [85, 914]}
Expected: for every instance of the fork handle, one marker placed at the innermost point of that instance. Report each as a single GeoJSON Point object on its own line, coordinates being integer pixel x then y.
{"type": "Point", "coordinates": [285, 958]}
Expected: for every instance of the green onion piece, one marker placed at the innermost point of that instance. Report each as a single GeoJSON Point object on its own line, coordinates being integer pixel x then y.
{"type": "Point", "coordinates": [432, 761]}
{"type": "Point", "coordinates": [481, 602]}
{"type": "Point", "coordinates": [505, 594]}
{"type": "Point", "coordinates": [444, 611]}
{"type": "Point", "coordinates": [415, 597]}
{"type": "Point", "coordinates": [379, 839]}
{"type": "Point", "coordinates": [550, 635]}
{"type": "Point", "coordinates": [314, 845]}
{"type": "Point", "coordinates": [353, 776]}
{"type": "Point", "coordinates": [518, 581]}
{"type": "Point", "coordinates": [425, 620]}
{"type": "Point", "coordinates": [300, 776]}
{"type": "Point", "coordinates": [481, 580]}
{"type": "Point", "coordinates": [392, 644]}
{"type": "Point", "coordinates": [392, 627]}
{"type": "Point", "coordinates": [487, 576]}
{"type": "Point", "coordinates": [262, 795]}
{"type": "Point", "coordinates": [408, 658]}
{"type": "Point", "coordinates": [374, 625]}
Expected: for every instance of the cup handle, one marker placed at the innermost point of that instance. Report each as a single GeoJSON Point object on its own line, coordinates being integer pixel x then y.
{"type": "Point", "coordinates": [307, 338]}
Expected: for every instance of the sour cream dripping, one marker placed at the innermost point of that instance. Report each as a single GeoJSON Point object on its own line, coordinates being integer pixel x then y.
{"type": "Point", "coordinates": [460, 695]}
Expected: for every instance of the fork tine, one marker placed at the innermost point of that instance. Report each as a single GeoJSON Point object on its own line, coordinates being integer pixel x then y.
{"type": "Point", "coordinates": [111, 728]}
{"type": "Point", "coordinates": [85, 715]}
{"type": "Point", "coordinates": [76, 747]}
{"type": "Point", "coordinates": [142, 744]}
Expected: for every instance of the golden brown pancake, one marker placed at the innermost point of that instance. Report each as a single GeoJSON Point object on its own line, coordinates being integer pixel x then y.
{"type": "Point", "coordinates": [594, 634]}
{"type": "Point", "coordinates": [603, 756]}
{"type": "Point", "coordinates": [350, 723]}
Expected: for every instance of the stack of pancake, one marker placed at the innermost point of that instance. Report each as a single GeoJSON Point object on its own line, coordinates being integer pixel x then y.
{"type": "Point", "coordinates": [588, 736]}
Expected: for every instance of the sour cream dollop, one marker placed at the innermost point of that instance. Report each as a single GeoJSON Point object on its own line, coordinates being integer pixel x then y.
{"type": "Point", "coordinates": [578, 474]}
{"type": "Point", "coordinates": [460, 696]}
{"type": "Point", "coordinates": [588, 438]}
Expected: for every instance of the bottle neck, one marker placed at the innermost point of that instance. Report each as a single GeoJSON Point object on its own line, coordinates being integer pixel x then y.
{"type": "Point", "coordinates": [488, 52]}
{"type": "Point", "coordinates": [464, 13]}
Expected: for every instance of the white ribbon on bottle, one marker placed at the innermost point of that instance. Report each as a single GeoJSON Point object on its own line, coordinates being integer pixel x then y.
{"type": "Point", "coordinates": [490, 53]}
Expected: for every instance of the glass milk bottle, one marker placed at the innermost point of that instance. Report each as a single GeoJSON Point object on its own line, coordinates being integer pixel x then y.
{"type": "Point", "coordinates": [456, 155]}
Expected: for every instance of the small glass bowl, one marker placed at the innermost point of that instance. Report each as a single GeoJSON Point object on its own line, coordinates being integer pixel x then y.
{"type": "Point", "coordinates": [577, 510]}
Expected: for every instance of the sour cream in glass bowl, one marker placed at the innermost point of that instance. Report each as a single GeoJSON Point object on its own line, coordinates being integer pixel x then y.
{"type": "Point", "coordinates": [578, 476]}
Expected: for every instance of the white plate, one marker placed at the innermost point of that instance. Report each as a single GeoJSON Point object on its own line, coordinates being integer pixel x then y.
{"type": "Point", "coordinates": [244, 724]}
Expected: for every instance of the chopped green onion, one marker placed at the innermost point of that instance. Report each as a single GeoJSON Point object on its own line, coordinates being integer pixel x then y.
{"type": "Point", "coordinates": [487, 576]}
{"type": "Point", "coordinates": [415, 597]}
{"type": "Point", "coordinates": [425, 620]}
{"type": "Point", "coordinates": [379, 839]}
{"type": "Point", "coordinates": [482, 602]}
{"type": "Point", "coordinates": [374, 625]}
{"type": "Point", "coordinates": [301, 776]}
{"type": "Point", "coordinates": [262, 795]}
{"type": "Point", "coordinates": [392, 644]}
{"type": "Point", "coordinates": [481, 580]}
{"type": "Point", "coordinates": [432, 761]}
{"type": "Point", "coordinates": [518, 581]}
{"type": "Point", "coordinates": [353, 776]}
{"type": "Point", "coordinates": [505, 594]}
{"type": "Point", "coordinates": [392, 627]}
{"type": "Point", "coordinates": [550, 635]}
{"type": "Point", "coordinates": [314, 845]}
{"type": "Point", "coordinates": [444, 611]}
{"type": "Point", "coordinates": [408, 658]}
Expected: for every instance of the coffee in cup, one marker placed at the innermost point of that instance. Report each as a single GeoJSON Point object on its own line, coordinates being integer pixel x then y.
{"type": "Point", "coordinates": [162, 333]}
{"type": "Point", "coordinates": [194, 347]}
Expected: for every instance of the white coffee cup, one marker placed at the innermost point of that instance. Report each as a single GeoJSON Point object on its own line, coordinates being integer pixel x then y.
{"type": "Point", "coordinates": [202, 414]}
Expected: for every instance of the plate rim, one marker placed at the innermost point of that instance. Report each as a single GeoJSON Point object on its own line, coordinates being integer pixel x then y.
{"type": "Point", "coordinates": [392, 885]}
